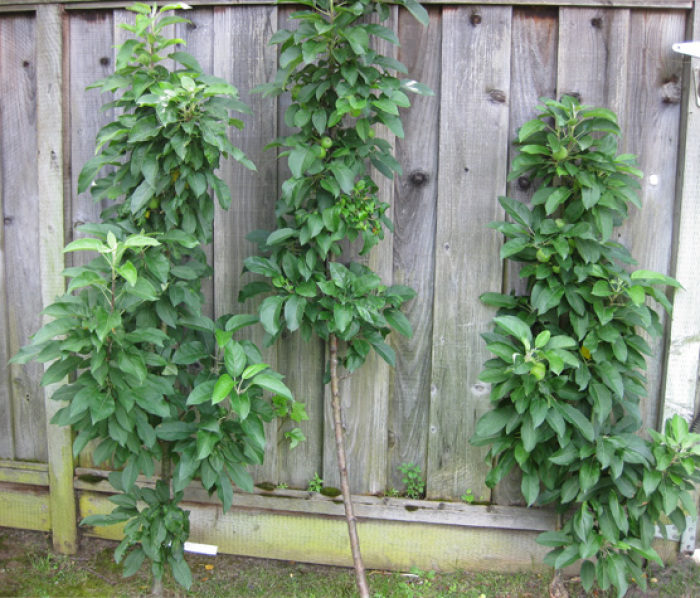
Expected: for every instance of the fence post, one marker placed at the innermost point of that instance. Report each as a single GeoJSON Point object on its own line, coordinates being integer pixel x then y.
{"type": "Point", "coordinates": [681, 382]}
{"type": "Point", "coordinates": [49, 84]}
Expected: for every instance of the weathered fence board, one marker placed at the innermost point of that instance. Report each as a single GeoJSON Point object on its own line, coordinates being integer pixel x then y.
{"type": "Point", "coordinates": [246, 62]}
{"type": "Point", "coordinates": [414, 246]}
{"type": "Point", "coordinates": [652, 133]}
{"type": "Point", "coordinates": [20, 206]}
{"type": "Point", "coordinates": [488, 64]}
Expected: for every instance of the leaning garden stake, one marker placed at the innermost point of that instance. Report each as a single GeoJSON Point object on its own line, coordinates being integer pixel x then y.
{"type": "Point", "coordinates": [150, 377]}
{"type": "Point", "coordinates": [340, 89]}
{"type": "Point", "coordinates": [567, 373]}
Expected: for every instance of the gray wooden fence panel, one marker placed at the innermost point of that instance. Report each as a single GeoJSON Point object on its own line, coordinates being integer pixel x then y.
{"type": "Point", "coordinates": [91, 57]}
{"type": "Point", "coordinates": [593, 56]}
{"type": "Point", "coordinates": [299, 360]}
{"type": "Point", "coordinates": [199, 41]}
{"type": "Point", "coordinates": [533, 76]}
{"type": "Point", "coordinates": [414, 245]}
{"type": "Point", "coordinates": [653, 134]}
{"type": "Point", "coordinates": [243, 57]}
{"type": "Point", "coordinates": [20, 205]}
{"type": "Point", "coordinates": [487, 65]}
{"type": "Point", "coordinates": [473, 163]}
{"type": "Point", "coordinates": [365, 395]}
{"type": "Point", "coordinates": [7, 450]}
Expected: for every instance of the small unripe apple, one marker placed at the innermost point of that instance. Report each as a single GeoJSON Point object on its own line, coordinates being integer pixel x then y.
{"type": "Point", "coordinates": [560, 154]}
{"type": "Point", "coordinates": [326, 142]}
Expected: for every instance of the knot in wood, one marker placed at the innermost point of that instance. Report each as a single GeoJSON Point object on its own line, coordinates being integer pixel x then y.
{"type": "Point", "coordinates": [524, 183]}
{"type": "Point", "coordinates": [671, 90]}
{"type": "Point", "coordinates": [26, 64]}
{"type": "Point", "coordinates": [475, 19]}
{"type": "Point", "coordinates": [191, 26]}
{"type": "Point", "coordinates": [104, 61]}
{"type": "Point", "coordinates": [418, 178]}
{"type": "Point", "coordinates": [496, 95]}
{"type": "Point", "coordinates": [8, 219]}
{"type": "Point", "coordinates": [597, 22]}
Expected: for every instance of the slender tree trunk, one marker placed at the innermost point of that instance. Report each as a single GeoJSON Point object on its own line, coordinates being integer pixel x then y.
{"type": "Point", "coordinates": [165, 475]}
{"type": "Point", "coordinates": [360, 577]}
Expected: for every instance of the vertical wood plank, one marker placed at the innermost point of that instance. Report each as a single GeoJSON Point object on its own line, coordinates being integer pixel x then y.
{"type": "Point", "coordinates": [7, 443]}
{"type": "Point", "coordinates": [91, 39]}
{"type": "Point", "coordinates": [473, 164]}
{"type": "Point", "coordinates": [681, 376]}
{"type": "Point", "coordinates": [592, 65]}
{"type": "Point", "coordinates": [533, 75]}
{"type": "Point", "coordinates": [653, 121]}
{"type": "Point", "coordinates": [243, 57]}
{"type": "Point", "coordinates": [365, 395]}
{"type": "Point", "coordinates": [301, 362]}
{"type": "Point", "coordinates": [20, 205]}
{"type": "Point", "coordinates": [91, 57]}
{"type": "Point", "coordinates": [49, 59]}
{"type": "Point", "coordinates": [199, 41]}
{"type": "Point", "coordinates": [414, 245]}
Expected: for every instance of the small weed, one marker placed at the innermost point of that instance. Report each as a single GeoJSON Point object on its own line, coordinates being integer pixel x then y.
{"type": "Point", "coordinates": [468, 497]}
{"type": "Point", "coordinates": [392, 492]}
{"type": "Point", "coordinates": [412, 480]}
{"type": "Point", "coordinates": [282, 486]}
{"type": "Point", "coordinates": [315, 483]}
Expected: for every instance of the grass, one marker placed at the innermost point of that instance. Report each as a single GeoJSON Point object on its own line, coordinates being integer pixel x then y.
{"type": "Point", "coordinates": [29, 568]}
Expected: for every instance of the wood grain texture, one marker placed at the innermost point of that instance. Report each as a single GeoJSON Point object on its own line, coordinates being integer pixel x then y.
{"type": "Point", "coordinates": [473, 163]}
{"type": "Point", "coordinates": [7, 442]}
{"type": "Point", "coordinates": [681, 376]}
{"type": "Point", "coordinates": [21, 205]}
{"type": "Point", "coordinates": [365, 395]}
{"type": "Point", "coordinates": [386, 544]}
{"type": "Point", "coordinates": [652, 126]}
{"type": "Point", "coordinates": [246, 60]}
{"type": "Point", "coordinates": [199, 41]}
{"type": "Point", "coordinates": [91, 37]}
{"type": "Point", "coordinates": [49, 53]}
{"type": "Point", "coordinates": [592, 57]}
{"type": "Point", "coordinates": [301, 362]}
{"type": "Point", "coordinates": [91, 57]}
{"type": "Point", "coordinates": [533, 75]}
{"type": "Point", "coordinates": [415, 205]}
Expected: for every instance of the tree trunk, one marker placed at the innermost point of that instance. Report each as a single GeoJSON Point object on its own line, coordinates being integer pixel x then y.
{"type": "Point", "coordinates": [360, 577]}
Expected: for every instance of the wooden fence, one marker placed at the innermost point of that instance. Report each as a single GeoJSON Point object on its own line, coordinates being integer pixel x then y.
{"type": "Point", "coordinates": [488, 64]}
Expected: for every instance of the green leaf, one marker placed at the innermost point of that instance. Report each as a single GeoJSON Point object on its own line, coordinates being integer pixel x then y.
{"type": "Point", "coordinates": [417, 10]}
{"type": "Point", "coordinates": [578, 419]}
{"type": "Point", "coordinates": [399, 322]}
{"type": "Point", "coordinates": [385, 352]}
{"type": "Point", "coordinates": [224, 385]}
{"type": "Point", "coordinates": [181, 571]}
{"type": "Point", "coordinates": [654, 278]}
{"type": "Point", "coordinates": [241, 477]}
{"type": "Point", "coordinates": [235, 359]}
{"type": "Point", "coordinates": [515, 327]}
{"type": "Point", "coordinates": [274, 385]}
{"type": "Point", "coordinates": [240, 321]}
{"type": "Point", "coordinates": [270, 311]}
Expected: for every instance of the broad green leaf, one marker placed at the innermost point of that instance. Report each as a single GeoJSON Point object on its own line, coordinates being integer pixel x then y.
{"type": "Point", "coordinates": [224, 385]}
{"type": "Point", "coordinates": [270, 311]}
{"type": "Point", "coordinates": [274, 385]}
{"type": "Point", "coordinates": [515, 327]}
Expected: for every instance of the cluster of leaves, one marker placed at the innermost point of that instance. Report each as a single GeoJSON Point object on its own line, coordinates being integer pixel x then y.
{"type": "Point", "coordinates": [151, 377]}
{"type": "Point", "coordinates": [341, 89]}
{"type": "Point", "coordinates": [567, 376]}
{"type": "Point", "coordinates": [412, 480]}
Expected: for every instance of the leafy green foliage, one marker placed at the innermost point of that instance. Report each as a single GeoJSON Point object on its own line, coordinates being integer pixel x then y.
{"type": "Point", "coordinates": [566, 377]}
{"type": "Point", "coordinates": [150, 376]}
{"type": "Point", "coordinates": [412, 480]}
{"type": "Point", "coordinates": [341, 89]}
